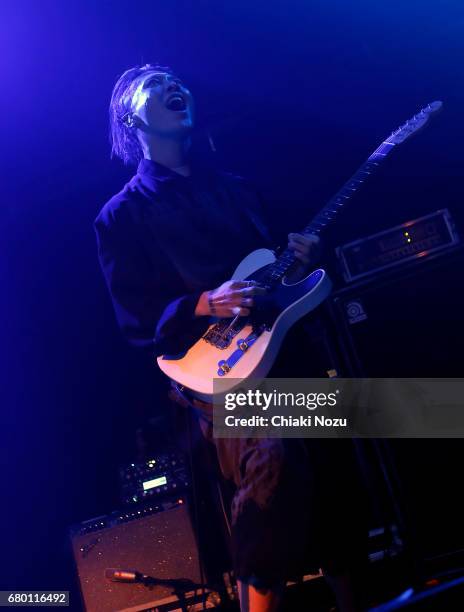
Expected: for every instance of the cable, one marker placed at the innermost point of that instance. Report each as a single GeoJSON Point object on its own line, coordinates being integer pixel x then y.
{"type": "Point", "coordinates": [223, 508]}
{"type": "Point", "coordinates": [195, 500]}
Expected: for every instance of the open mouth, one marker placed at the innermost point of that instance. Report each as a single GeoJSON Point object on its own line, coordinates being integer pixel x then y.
{"type": "Point", "coordinates": [176, 102]}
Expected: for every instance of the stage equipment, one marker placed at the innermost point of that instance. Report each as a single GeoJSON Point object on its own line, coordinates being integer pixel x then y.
{"type": "Point", "coordinates": [244, 347]}
{"type": "Point", "coordinates": [406, 322]}
{"type": "Point", "coordinates": [403, 322]}
{"type": "Point", "coordinates": [438, 595]}
{"type": "Point", "coordinates": [410, 240]}
{"type": "Point", "coordinates": [160, 477]}
{"type": "Point", "coordinates": [141, 559]}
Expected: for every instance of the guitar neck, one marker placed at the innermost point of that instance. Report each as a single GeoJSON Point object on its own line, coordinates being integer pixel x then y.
{"type": "Point", "coordinates": [329, 213]}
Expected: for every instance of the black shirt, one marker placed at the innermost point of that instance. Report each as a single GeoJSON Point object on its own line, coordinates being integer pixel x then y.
{"type": "Point", "coordinates": [166, 238]}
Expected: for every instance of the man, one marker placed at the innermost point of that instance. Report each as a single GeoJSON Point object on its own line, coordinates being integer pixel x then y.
{"type": "Point", "coordinates": [167, 243]}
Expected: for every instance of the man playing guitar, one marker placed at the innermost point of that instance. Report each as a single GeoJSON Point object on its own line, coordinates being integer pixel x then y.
{"type": "Point", "coordinates": [167, 242]}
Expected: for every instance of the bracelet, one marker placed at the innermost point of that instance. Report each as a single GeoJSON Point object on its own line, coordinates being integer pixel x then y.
{"type": "Point", "coordinates": [211, 303]}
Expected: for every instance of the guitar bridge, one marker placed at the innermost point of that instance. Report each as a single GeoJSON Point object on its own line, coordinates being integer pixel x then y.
{"type": "Point", "coordinates": [222, 334]}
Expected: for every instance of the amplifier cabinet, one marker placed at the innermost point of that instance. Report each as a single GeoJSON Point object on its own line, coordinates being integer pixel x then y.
{"type": "Point", "coordinates": [409, 323]}
{"type": "Point", "coordinates": [405, 323]}
{"type": "Point", "coordinates": [159, 543]}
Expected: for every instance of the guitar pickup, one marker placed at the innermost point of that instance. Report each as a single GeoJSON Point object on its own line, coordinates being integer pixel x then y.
{"type": "Point", "coordinates": [243, 344]}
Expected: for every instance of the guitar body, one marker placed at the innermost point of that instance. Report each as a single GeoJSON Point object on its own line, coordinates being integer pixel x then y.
{"type": "Point", "coordinates": [286, 303]}
{"type": "Point", "coordinates": [246, 347]}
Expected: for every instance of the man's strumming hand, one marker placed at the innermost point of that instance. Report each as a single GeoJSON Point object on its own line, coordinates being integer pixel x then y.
{"type": "Point", "coordinates": [229, 300]}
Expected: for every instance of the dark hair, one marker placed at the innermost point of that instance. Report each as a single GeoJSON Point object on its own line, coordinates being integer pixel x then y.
{"type": "Point", "coordinates": [123, 139]}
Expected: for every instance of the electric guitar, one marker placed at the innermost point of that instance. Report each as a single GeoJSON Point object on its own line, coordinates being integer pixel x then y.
{"type": "Point", "coordinates": [246, 347]}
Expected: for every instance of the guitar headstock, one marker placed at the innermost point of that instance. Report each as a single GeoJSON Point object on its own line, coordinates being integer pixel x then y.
{"type": "Point", "coordinates": [415, 123]}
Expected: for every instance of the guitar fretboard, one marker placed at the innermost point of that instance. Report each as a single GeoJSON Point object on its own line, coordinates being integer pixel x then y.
{"type": "Point", "coordinates": [274, 273]}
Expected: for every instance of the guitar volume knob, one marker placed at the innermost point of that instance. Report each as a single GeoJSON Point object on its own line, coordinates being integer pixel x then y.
{"type": "Point", "coordinates": [224, 368]}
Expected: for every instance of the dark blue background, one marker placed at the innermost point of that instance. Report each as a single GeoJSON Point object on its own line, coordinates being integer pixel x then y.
{"type": "Point", "coordinates": [297, 95]}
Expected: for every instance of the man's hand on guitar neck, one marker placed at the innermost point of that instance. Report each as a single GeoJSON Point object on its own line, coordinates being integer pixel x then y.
{"type": "Point", "coordinates": [307, 249]}
{"type": "Point", "coordinates": [232, 298]}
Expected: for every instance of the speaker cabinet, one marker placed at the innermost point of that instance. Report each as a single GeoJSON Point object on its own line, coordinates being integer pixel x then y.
{"type": "Point", "coordinates": [158, 543]}
{"type": "Point", "coordinates": [408, 323]}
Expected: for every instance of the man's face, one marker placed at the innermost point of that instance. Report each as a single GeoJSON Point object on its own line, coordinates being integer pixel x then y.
{"type": "Point", "coordinates": [163, 103]}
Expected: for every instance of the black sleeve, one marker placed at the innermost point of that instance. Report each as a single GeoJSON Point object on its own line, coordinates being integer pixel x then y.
{"type": "Point", "coordinates": [150, 307]}
{"type": "Point", "coordinates": [250, 199]}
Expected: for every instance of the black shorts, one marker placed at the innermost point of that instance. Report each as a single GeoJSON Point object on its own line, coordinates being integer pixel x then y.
{"type": "Point", "coordinates": [298, 506]}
